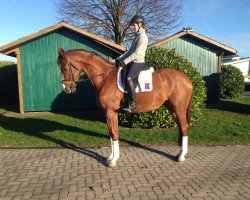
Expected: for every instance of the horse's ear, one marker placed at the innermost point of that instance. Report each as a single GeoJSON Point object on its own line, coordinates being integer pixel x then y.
{"type": "Point", "coordinates": [61, 52]}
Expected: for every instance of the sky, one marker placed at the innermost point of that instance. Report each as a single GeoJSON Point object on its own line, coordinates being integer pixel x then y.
{"type": "Point", "coordinates": [226, 21]}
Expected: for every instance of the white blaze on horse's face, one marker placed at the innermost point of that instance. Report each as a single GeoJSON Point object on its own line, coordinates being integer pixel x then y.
{"type": "Point", "coordinates": [63, 85]}
{"type": "Point", "coordinates": [69, 86]}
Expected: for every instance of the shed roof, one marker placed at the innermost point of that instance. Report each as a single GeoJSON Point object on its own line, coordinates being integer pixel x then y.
{"type": "Point", "coordinates": [10, 47]}
{"type": "Point", "coordinates": [221, 47]}
{"type": "Point", "coordinates": [240, 60]}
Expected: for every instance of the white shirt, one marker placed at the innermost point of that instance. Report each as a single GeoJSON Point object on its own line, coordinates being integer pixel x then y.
{"type": "Point", "coordinates": [137, 51]}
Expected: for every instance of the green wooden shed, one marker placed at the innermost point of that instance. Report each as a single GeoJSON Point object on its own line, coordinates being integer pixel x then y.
{"type": "Point", "coordinates": [39, 78]}
{"type": "Point", "coordinates": [204, 53]}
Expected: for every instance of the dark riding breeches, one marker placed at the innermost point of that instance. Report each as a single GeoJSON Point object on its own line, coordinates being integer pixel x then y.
{"type": "Point", "coordinates": [133, 70]}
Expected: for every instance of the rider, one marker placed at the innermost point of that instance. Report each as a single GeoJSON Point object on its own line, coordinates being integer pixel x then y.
{"type": "Point", "coordinates": [134, 59]}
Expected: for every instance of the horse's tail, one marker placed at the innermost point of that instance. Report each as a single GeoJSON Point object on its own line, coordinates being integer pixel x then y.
{"type": "Point", "coordinates": [189, 109]}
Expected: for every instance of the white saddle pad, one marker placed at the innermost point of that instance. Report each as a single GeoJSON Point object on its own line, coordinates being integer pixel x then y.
{"type": "Point", "coordinates": [144, 79]}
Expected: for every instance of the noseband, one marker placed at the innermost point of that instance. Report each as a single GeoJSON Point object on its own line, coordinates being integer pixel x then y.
{"type": "Point", "coordinates": [69, 67]}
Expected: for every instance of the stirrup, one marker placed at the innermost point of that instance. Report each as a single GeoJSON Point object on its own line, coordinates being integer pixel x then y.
{"type": "Point", "coordinates": [124, 103]}
{"type": "Point", "coordinates": [129, 108]}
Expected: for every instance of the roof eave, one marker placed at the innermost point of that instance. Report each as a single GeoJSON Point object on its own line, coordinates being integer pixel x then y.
{"type": "Point", "coordinates": [215, 43]}
{"type": "Point", "coordinates": [13, 45]}
{"type": "Point", "coordinates": [236, 61]}
{"type": "Point", "coordinates": [167, 39]}
{"type": "Point", "coordinates": [224, 48]}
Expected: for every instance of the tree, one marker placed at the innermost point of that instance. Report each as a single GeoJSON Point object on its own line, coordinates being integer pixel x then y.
{"type": "Point", "coordinates": [110, 18]}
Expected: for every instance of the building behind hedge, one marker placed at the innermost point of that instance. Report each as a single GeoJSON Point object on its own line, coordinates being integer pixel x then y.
{"type": "Point", "coordinates": [39, 78]}
{"type": "Point", "coordinates": [204, 53]}
{"type": "Point", "coordinates": [243, 64]}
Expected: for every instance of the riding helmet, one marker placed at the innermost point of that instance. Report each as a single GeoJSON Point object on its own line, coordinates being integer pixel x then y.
{"type": "Point", "coordinates": [137, 19]}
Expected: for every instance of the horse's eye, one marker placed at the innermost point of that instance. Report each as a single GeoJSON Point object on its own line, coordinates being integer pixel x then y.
{"type": "Point", "coordinates": [64, 69]}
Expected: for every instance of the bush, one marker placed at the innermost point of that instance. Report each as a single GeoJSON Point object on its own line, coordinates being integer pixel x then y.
{"type": "Point", "coordinates": [232, 82]}
{"type": "Point", "coordinates": [8, 82]}
{"type": "Point", "coordinates": [160, 118]}
{"type": "Point", "coordinates": [6, 63]}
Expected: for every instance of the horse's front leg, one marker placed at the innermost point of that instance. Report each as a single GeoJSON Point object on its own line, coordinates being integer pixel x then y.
{"type": "Point", "coordinates": [112, 121]}
{"type": "Point", "coordinates": [184, 148]}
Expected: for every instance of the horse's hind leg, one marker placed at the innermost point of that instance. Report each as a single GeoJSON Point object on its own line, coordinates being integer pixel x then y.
{"type": "Point", "coordinates": [179, 114]}
{"type": "Point", "coordinates": [183, 126]}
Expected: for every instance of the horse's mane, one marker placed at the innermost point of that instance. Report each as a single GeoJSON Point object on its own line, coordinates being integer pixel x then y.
{"type": "Point", "coordinates": [92, 53]}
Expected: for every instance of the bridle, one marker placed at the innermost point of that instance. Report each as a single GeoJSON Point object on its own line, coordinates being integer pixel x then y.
{"type": "Point", "coordinates": [69, 67]}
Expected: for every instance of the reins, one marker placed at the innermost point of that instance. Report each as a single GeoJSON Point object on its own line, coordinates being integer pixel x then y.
{"type": "Point", "coordinates": [86, 79]}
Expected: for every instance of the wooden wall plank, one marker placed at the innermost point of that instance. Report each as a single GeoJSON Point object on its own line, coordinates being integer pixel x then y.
{"type": "Point", "coordinates": [19, 77]}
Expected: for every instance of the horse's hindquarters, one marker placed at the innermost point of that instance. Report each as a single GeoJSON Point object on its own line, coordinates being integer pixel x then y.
{"type": "Point", "coordinates": [148, 101]}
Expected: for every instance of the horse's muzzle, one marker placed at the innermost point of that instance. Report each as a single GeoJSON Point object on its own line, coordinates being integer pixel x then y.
{"type": "Point", "coordinates": [69, 88]}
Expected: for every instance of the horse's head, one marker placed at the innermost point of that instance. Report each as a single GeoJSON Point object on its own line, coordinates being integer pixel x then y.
{"type": "Point", "coordinates": [70, 71]}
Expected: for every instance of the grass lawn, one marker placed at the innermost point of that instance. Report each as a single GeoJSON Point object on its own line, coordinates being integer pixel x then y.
{"type": "Point", "coordinates": [227, 122]}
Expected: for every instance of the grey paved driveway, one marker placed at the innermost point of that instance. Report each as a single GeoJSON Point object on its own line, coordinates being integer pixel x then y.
{"type": "Point", "coordinates": [219, 172]}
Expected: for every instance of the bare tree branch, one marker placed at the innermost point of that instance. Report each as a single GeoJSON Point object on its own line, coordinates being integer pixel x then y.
{"type": "Point", "coordinates": [110, 18]}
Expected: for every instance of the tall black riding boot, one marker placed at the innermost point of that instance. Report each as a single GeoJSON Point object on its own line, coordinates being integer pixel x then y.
{"type": "Point", "coordinates": [131, 94]}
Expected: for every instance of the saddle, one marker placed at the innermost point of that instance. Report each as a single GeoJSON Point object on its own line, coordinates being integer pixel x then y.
{"type": "Point", "coordinates": [144, 80]}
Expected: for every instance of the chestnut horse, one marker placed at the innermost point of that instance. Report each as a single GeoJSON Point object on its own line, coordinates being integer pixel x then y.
{"type": "Point", "coordinates": [171, 88]}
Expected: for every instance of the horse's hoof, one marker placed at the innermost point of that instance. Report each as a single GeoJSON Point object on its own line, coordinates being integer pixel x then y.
{"type": "Point", "coordinates": [111, 164]}
{"type": "Point", "coordinates": [180, 159]}
{"type": "Point", "coordinates": [108, 161]}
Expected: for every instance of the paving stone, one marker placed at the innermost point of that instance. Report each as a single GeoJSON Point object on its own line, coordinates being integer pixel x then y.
{"type": "Point", "coordinates": [149, 172]}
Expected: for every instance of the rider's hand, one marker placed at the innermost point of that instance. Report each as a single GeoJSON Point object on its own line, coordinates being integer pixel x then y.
{"type": "Point", "coordinates": [122, 64]}
{"type": "Point", "coordinates": [117, 63]}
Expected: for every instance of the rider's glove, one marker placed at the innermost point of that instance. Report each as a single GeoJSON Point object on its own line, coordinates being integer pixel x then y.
{"type": "Point", "coordinates": [122, 64]}
{"type": "Point", "coordinates": [117, 63]}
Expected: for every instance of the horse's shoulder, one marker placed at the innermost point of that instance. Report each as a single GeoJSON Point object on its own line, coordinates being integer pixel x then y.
{"type": "Point", "coordinates": [110, 79]}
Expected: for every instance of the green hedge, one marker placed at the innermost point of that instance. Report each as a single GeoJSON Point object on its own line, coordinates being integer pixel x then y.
{"type": "Point", "coordinates": [8, 82]}
{"type": "Point", "coordinates": [160, 118]}
{"type": "Point", "coordinates": [232, 82]}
